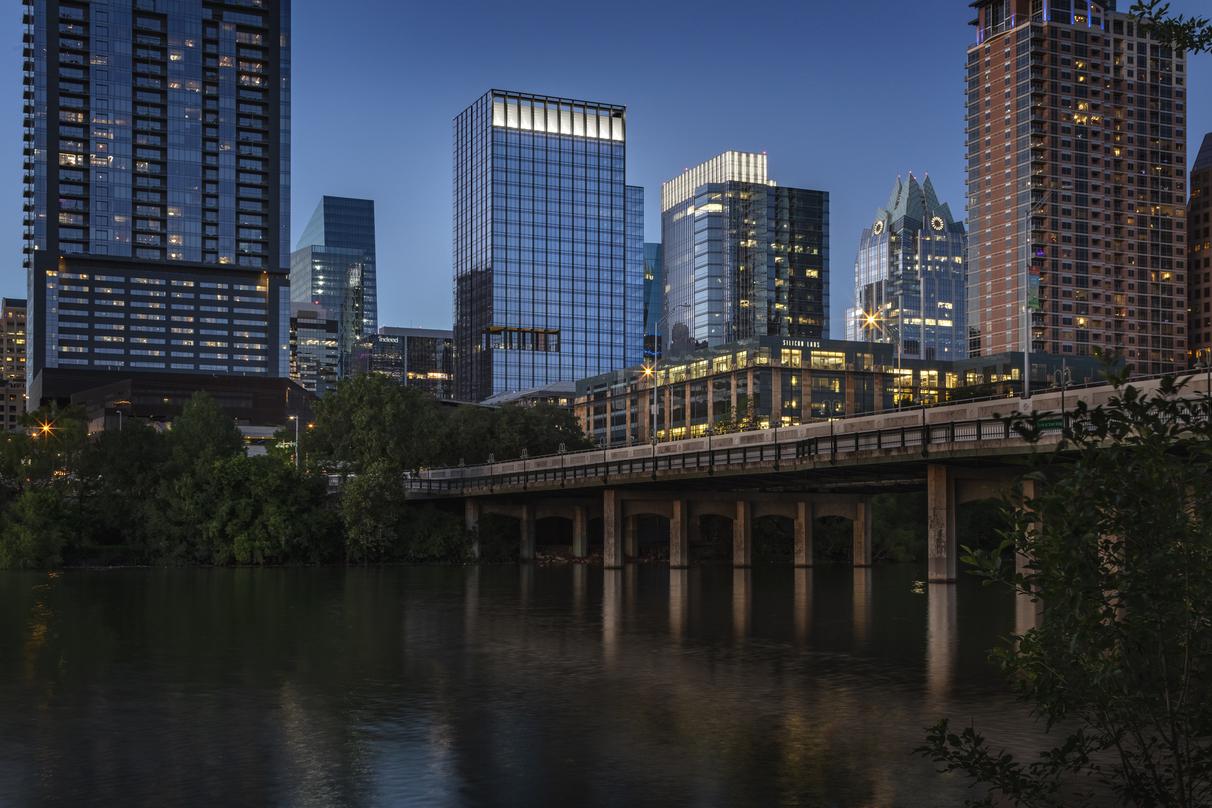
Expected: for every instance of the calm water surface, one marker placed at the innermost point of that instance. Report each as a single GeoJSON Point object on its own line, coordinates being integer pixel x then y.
{"type": "Point", "coordinates": [499, 685]}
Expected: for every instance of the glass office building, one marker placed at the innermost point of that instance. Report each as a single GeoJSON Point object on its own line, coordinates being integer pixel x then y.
{"type": "Point", "coordinates": [654, 300]}
{"type": "Point", "coordinates": [742, 256]}
{"type": "Point", "coordinates": [909, 276]}
{"type": "Point", "coordinates": [417, 357]}
{"type": "Point", "coordinates": [547, 244]}
{"type": "Point", "coordinates": [314, 348]}
{"type": "Point", "coordinates": [333, 266]}
{"type": "Point", "coordinates": [157, 189]}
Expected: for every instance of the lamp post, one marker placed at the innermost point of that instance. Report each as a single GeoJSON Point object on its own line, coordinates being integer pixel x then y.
{"type": "Point", "coordinates": [650, 370]}
{"type": "Point", "coordinates": [1064, 377]}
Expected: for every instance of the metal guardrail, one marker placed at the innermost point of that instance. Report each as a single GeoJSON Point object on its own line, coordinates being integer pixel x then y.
{"type": "Point", "coordinates": [595, 466]}
{"type": "Point", "coordinates": [581, 467]}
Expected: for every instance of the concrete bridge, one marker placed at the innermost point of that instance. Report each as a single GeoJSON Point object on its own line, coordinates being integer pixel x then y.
{"type": "Point", "coordinates": [958, 453]}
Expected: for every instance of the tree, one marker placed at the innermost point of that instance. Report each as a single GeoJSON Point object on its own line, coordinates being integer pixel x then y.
{"type": "Point", "coordinates": [372, 419]}
{"type": "Point", "coordinates": [35, 530]}
{"type": "Point", "coordinates": [1120, 542]}
{"type": "Point", "coordinates": [203, 434]}
{"type": "Point", "coordinates": [372, 510]}
{"type": "Point", "coordinates": [1182, 33]}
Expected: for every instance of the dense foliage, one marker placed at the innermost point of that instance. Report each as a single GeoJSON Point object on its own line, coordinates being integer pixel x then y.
{"type": "Point", "coordinates": [1120, 668]}
{"type": "Point", "coordinates": [190, 494]}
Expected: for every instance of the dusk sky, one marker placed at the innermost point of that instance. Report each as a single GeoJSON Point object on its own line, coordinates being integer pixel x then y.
{"type": "Point", "coordinates": [842, 96]}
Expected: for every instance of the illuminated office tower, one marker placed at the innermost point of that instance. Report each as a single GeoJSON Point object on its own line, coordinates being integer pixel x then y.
{"type": "Point", "coordinates": [1076, 128]}
{"type": "Point", "coordinates": [742, 256]}
{"type": "Point", "coordinates": [909, 276]}
{"type": "Point", "coordinates": [157, 190]}
{"type": "Point", "coordinates": [548, 244]}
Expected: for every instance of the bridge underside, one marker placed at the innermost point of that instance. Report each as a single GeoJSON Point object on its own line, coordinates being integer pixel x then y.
{"type": "Point", "coordinates": [802, 496]}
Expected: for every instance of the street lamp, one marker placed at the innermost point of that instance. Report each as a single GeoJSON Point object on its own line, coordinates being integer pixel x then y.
{"type": "Point", "coordinates": [1064, 377]}
{"type": "Point", "coordinates": [649, 371]}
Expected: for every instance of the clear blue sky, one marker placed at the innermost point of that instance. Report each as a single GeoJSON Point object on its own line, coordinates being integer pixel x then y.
{"type": "Point", "coordinates": [842, 95]}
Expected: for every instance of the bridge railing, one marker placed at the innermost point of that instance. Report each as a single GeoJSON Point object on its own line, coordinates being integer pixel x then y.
{"type": "Point", "coordinates": [973, 422]}
{"type": "Point", "coordinates": [599, 466]}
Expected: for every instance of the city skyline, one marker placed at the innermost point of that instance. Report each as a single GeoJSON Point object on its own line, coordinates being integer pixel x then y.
{"type": "Point", "coordinates": [672, 126]}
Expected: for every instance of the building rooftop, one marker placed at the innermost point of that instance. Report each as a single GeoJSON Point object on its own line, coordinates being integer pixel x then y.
{"type": "Point", "coordinates": [1204, 158]}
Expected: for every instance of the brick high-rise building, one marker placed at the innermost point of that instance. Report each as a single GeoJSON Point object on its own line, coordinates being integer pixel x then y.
{"type": "Point", "coordinates": [1076, 185]}
{"type": "Point", "coordinates": [1199, 259]}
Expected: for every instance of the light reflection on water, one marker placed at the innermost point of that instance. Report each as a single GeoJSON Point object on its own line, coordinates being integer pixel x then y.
{"type": "Point", "coordinates": [498, 685]}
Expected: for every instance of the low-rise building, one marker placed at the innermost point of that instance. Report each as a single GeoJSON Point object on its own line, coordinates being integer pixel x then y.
{"type": "Point", "coordinates": [762, 382]}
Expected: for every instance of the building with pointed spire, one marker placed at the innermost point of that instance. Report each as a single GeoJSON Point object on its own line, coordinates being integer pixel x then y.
{"type": "Point", "coordinates": [1199, 256]}
{"type": "Point", "coordinates": [909, 276]}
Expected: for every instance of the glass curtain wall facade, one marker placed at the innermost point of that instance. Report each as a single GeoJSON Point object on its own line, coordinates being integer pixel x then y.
{"type": "Point", "coordinates": [909, 276]}
{"type": "Point", "coordinates": [345, 229]}
{"type": "Point", "coordinates": [742, 257]}
{"type": "Point", "coordinates": [333, 266]}
{"type": "Point", "coordinates": [314, 348]}
{"type": "Point", "coordinates": [654, 301]}
{"type": "Point", "coordinates": [547, 244]}
{"type": "Point", "coordinates": [1076, 127]}
{"type": "Point", "coordinates": [157, 188]}
{"type": "Point", "coordinates": [1199, 256]}
{"type": "Point", "coordinates": [417, 357]}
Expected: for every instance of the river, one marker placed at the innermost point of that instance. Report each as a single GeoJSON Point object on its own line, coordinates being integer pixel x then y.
{"type": "Point", "coordinates": [493, 685]}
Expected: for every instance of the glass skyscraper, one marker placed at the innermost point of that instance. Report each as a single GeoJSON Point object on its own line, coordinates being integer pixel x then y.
{"type": "Point", "coordinates": [654, 300]}
{"type": "Point", "coordinates": [333, 266]}
{"type": "Point", "coordinates": [315, 357]}
{"type": "Point", "coordinates": [742, 257]}
{"type": "Point", "coordinates": [548, 244]}
{"type": "Point", "coordinates": [157, 189]}
{"type": "Point", "coordinates": [909, 276]}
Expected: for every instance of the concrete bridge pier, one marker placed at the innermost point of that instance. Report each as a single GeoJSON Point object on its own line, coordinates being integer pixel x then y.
{"type": "Point", "coordinates": [942, 545]}
{"type": "Point", "coordinates": [804, 514]}
{"type": "Point", "coordinates": [679, 535]}
{"type": "Point", "coordinates": [862, 532]}
{"type": "Point", "coordinates": [742, 534]}
{"type": "Point", "coordinates": [580, 531]}
{"type": "Point", "coordinates": [612, 529]}
{"type": "Point", "coordinates": [631, 544]}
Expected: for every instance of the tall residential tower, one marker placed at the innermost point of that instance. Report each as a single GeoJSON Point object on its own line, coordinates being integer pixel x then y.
{"type": "Point", "coordinates": [157, 189]}
{"type": "Point", "coordinates": [548, 244]}
{"type": "Point", "coordinates": [909, 276]}
{"type": "Point", "coordinates": [1076, 175]}
{"type": "Point", "coordinates": [742, 257]}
